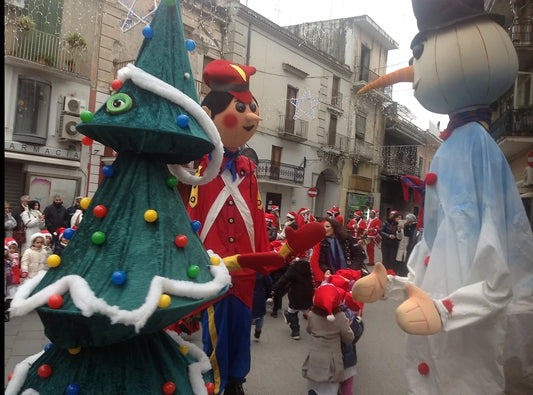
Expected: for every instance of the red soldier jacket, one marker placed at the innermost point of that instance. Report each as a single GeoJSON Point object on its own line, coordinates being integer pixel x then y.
{"type": "Point", "coordinates": [232, 218]}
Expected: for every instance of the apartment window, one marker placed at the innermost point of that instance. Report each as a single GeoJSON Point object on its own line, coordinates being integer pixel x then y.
{"type": "Point", "coordinates": [332, 131]}
{"type": "Point", "coordinates": [360, 126]}
{"type": "Point", "coordinates": [290, 109]}
{"type": "Point", "coordinates": [364, 69]}
{"type": "Point", "coordinates": [335, 95]}
{"type": "Point", "coordinates": [32, 110]}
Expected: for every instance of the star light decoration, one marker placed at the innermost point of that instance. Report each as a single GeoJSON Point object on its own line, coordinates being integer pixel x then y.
{"type": "Point", "coordinates": [133, 18]}
{"type": "Point", "coordinates": [305, 106]}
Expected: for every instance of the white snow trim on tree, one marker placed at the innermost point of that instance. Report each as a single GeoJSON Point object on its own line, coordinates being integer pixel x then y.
{"type": "Point", "coordinates": [153, 84]}
{"type": "Point", "coordinates": [19, 376]}
{"type": "Point", "coordinates": [196, 369]}
{"type": "Point", "coordinates": [84, 298]}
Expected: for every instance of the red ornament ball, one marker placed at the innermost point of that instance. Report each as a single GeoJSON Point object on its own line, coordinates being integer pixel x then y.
{"type": "Point", "coordinates": [431, 178]}
{"type": "Point", "coordinates": [55, 301]}
{"type": "Point", "coordinates": [100, 211]}
{"type": "Point", "coordinates": [44, 371]}
{"type": "Point", "coordinates": [210, 388]}
{"type": "Point", "coordinates": [116, 85]}
{"type": "Point", "coordinates": [169, 388]}
{"type": "Point", "coordinates": [423, 368]}
{"type": "Point", "coordinates": [181, 241]}
{"type": "Point", "coordinates": [86, 140]}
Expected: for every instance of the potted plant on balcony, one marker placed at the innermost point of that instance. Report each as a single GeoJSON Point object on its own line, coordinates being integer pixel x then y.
{"type": "Point", "coordinates": [77, 44]}
{"type": "Point", "coordinates": [45, 59]}
{"type": "Point", "coordinates": [25, 23]}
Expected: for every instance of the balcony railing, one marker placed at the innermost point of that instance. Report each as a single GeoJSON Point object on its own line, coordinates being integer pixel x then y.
{"type": "Point", "coordinates": [266, 169]}
{"type": "Point", "coordinates": [363, 150]}
{"type": "Point", "coordinates": [336, 101]}
{"type": "Point", "coordinates": [522, 33]}
{"type": "Point", "coordinates": [513, 123]}
{"type": "Point", "coordinates": [292, 129]}
{"type": "Point", "coordinates": [366, 75]}
{"type": "Point", "coordinates": [44, 48]}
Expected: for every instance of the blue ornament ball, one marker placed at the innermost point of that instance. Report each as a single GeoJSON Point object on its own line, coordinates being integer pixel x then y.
{"type": "Point", "coordinates": [68, 233]}
{"type": "Point", "coordinates": [108, 171]}
{"type": "Point", "coordinates": [73, 389]}
{"type": "Point", "coordinates": [196, 225]}
{"type": "Point", "coordinates": [182, 120]}
{"type": "Point", "coordinates": [118, 277]}
{"type": "Point", "coordinates": [148, 32]}
{"type": "Point", "coordinates": [48, 346]}
{"type": "Point", "coordinates": [190, 45]}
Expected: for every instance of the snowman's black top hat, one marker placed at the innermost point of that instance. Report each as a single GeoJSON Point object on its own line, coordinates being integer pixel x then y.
{"type": "Point", "coordinates": [433, 15]}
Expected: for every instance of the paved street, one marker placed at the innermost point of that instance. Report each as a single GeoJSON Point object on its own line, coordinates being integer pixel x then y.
{"type": "Point", "coordinates": [276, 358]}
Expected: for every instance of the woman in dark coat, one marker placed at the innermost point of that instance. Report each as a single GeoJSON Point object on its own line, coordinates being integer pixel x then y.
{"type": "Point", "coordinates": [338, 250]}
{"type": "Point", "coordinates": [390, 241]}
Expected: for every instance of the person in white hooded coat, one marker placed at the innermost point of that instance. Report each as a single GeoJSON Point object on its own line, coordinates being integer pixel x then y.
{"type": "Point", "coordinates": [470, 284]}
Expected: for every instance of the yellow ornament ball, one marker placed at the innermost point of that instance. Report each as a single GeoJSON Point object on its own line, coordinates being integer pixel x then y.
{"type": "Point", "coordinates": [164, 301]}
{"type": "Point", "coordinates": [53, 260]}
{"type": "Point", "coordinates": [85, 203]}
{"type": "Point", "coordinates": [74, 351]}
{"type": "Point", "coordinates": [215, 260]}
{"type": "Point", "coordinates": [184, 349]}
{"type": "Point", "coordinates": [150, 215]}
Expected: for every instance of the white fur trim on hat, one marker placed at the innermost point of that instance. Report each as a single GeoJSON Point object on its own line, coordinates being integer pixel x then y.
{"type": "Point", "coordinates": [35, 235]}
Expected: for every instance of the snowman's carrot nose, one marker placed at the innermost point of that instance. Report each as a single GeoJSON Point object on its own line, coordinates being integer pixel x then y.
{"type": "Point", "coordinates": [402, 75]}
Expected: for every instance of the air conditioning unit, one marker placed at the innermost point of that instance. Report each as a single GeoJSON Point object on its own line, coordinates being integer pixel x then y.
{"type": "Point", "coordinates": [73, 105]}
{"type": "Point", "coordinates": [67, 128]}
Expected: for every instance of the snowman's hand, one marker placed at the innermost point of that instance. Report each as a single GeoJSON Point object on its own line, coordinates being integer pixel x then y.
{"type": "Point", "coordinates": [371, 288]}
{"type": "Point", "coordinates": [418, 315]}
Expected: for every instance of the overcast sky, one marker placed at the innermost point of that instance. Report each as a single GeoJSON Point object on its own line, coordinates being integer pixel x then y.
{"type": "Point", "coordinates": [395, 17]}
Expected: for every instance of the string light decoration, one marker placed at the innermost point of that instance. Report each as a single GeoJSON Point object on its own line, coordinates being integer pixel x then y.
{"type": "Point", "coordinates": [133, 17]}
{"type": "Point", "coordinates": [305, 106]}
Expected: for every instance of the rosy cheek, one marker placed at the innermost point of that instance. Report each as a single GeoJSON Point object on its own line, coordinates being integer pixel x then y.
{"type": "Point", "coordinates": [230, 121]}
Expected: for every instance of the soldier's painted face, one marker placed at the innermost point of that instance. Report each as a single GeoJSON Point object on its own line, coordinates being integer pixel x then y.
{"type": "Point", "coordinates": [237, 123]}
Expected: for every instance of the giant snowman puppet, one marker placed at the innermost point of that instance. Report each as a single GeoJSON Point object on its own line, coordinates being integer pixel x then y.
{"type": "Point", "coordinates": [469, 290]}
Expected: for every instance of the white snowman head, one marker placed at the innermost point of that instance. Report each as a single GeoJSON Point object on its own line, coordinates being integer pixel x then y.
{"type": "Point", "coordinates": [462, 58]}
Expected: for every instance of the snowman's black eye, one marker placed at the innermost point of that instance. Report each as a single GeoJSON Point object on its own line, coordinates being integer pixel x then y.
{"type": "Point", "coordinates": [119, 103]}
{"type": "Point", "coordinates": [417, 50]}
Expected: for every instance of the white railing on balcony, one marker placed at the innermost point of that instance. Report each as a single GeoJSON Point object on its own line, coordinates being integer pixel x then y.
{"type": "Point", "coordinates": [47, 49]}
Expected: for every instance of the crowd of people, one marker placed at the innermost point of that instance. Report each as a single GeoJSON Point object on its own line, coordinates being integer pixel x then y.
{"type": "Point", "coordinates": [31, 236]}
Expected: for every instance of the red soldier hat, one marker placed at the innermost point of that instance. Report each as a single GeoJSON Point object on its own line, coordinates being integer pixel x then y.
{"type": "Point", "coordinates": [224, 76]}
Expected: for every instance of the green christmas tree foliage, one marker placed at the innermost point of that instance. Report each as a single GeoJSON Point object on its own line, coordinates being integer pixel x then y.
{"type": "Point", "coordinates": [135, 265]}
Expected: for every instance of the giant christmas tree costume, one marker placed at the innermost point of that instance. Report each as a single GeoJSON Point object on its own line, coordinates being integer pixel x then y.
{"type": "Point", "coordinates": [135, 264]}
{"type": "Point", "coordinates": [470, 284]}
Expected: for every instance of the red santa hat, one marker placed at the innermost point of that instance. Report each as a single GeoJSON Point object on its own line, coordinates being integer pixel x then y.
{"type": "Point", "coordinates": [269, 217]}
{"type": "Point", "coordinates": [276, 245]}
{"type": "Point", "coordinates": [9, 241]}
{"type": "Point", "coordinates": [46, 233]}
{"type": "Point", "coordinates": [274, 208]}
{"type": "Point", "coordinates": [358, 213]}
{"type": "Point", "coordinates": [304, 210]}
{"type": "Point", "coordinates": [334, 210]}
{"type": "Point", "coordinates": [224, 76]}
{"type": "Point", "coordinates": [375, 211]}
{"type": "Point", "coordinates": [291, 215]}
{"type": "Point", "coordinates": [328, 297]}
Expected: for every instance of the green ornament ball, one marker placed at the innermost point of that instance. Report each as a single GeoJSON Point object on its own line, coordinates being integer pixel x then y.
{"type": "Point", "coordinates": [86, 116]}
{"type": "Point", "coordinates": [193, 271]}
{"type": "Point", "coordinates": [98, 238]}
{"type": "Point", "coordinates": [172, 182]}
